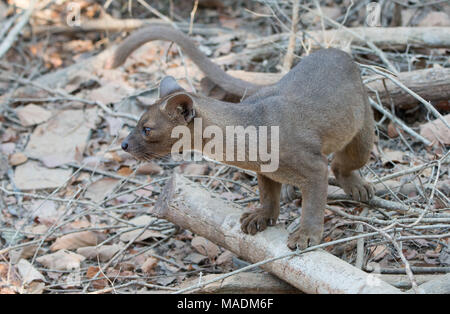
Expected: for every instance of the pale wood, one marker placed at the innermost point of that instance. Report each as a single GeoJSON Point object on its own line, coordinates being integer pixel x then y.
{"type": "Point", "coordinates": [431, 84]}
{"type": "Point", "coordinates": [382, 37]}
{"type": "Point", "coordinates": [192, 207]}
{"type": "Point", "coordinates": [289, 56]}
{"type": "Point", "coordinates": [119, 25]}
{"type": "Point", "coordinates": [402, 281]}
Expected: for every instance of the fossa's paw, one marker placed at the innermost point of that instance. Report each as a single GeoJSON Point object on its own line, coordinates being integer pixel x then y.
{"type": "Point", "coordinates": [304, 237]}
{"type": "Point", "coordinates": [358, 188]}
{"type": "Point", "coordinates": [255, 221]}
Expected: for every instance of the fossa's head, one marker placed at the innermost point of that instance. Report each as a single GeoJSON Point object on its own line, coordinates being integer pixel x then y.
{"type": "Point", "coordinates": [152, 135]}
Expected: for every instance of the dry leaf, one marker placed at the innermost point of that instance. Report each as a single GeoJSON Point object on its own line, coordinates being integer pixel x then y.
{"type": "Point", "coordinates": [113, 156]}
{"type": "Point", "coordinates": [114, 125]}
{"type": "Point", "coordinates": [17, 159]}
{"type": "Point", "coordinates": [435, 19]}
{"type": "Point", "coordinates": [61, 260]}
{"type": "Point", "coordinates": [444, 256]}
{"type": "Point", "coordinates": [56, 142]}
{"type": "Point", "coordinates": [7, 148]}
{"type": "Point", "coordinates": [140, 221]}
{"type": "Point", "coordinates": [32, 176]}
{"type": "Point", "coordinates": [150, 168]}
{"type": "Point", "coordinates": [436, 131]}
{"type": "Point", "coordinates": [226, 258]}
{"type": "Point", "coordinates": [23, 253]}
{"type": "Point", "coordinates": [75, 240]}
{"type": "Point", "coordinates": [144, 192]}
{"type": "Point", "coordinates": [32, 114]}
{"type": "Point", "coordinates": [28, 272]}
{"type": "Point", "coordinates": [125, 171]}
{"type": "Point", "coordinates": [35, 287]}
{"type": "Point", "coordinates": [149, 265]}
{"type": "Point", "coordinates": [392, 156]}
{"type": "Point", "coordinates": [195, 258]}
{"type": "Point", "coordinates": [313, 17]}
{"type": "Point", "coordinates": [9, 135]}
{"type": "Point", "coordinates": [409, 254]}
{"type": "Point", "coordinates": [103, 253]}
{"type": "Point", "coordinates": [98, 190]}
{"type": "Point", "coordinates": [194, 169]}
{"type": "Point", "coordinates": [44, 211]}
{"type": "Point", "coordinates": [378, 252]}
{"type": "Point", "coordinates": [205, 247]}
{"type": "Point", "coordinates": [392, 130]}
{"type": "Point", "coordinates": [53, 59]}
{"type": "Point", "coordinates": [231, 196]}
{"type": "Point", "coordinates": [99, 283]}
{"type": "Point", "coordinates": [110, 93]}
{"type": "Point", "coordinates": [127, 198]}
{"type": "Point", "coordinates": [10, 276]}
{"type": "Point", "coordinates": [78, 46]}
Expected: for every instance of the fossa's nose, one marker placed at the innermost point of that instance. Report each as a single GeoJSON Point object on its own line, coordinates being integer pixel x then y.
{"type": "Point", "coordinates": [124, 145]}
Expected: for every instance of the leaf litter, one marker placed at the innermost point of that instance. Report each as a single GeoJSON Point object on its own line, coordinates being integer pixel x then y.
{"type": "Point", "coordinates": [74, 207]}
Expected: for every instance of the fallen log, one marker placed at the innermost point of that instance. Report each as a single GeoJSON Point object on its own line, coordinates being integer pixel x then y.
{"type": "Point", "coordinates": [403, 282]}
{"type": "Point", "coordinates": [117, 25]}
{"type": "Point", "coordinates": [431, 84]}
{"type": "Point", "coordinates": [382, 37]}
{"type": "Point", "coordinates": [246, 282]}
{"type": "Point", "coordinates": [192, 207]}
{"type": "Point", "coordinates": [439, 285]}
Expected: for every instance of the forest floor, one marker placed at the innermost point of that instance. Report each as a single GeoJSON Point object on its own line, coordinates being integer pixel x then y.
{"type": "Point", "coordinates": [73, 204]}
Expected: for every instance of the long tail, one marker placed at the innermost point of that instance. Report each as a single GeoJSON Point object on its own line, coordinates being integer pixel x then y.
{"type": "Point", "coordinates": [161, 32]}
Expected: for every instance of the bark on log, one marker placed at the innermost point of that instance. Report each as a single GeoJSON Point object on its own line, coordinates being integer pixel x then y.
{"type": "Point", "coordinates": [430, 84]}
{"type": "Point", "coordinates": [382, 37]}
{"type": "Point", "coordinates": [192, 207]}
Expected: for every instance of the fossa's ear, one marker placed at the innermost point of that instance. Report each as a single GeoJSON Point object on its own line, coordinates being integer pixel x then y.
{"type": "Point", "coordinates": [169, 86]}
{"type": "Point", "coordinates": [179, 107]}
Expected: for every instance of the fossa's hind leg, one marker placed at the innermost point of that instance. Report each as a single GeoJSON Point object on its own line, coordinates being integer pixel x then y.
{"type": "Point", "coordinates": [353, 157]}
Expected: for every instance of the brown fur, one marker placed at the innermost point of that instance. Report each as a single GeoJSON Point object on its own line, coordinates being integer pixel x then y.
{"type": "Point", "coordinates": [320, 106]}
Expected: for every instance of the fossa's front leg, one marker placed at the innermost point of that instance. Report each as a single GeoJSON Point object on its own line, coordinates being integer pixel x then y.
{"type": "Point", "coordinates": [313, 185]}
{"type": "Point", "coordinates": [267, 214]}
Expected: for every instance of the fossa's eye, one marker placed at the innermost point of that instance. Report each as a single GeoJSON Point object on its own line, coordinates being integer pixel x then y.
{"type": "Point", "coordinates": [146, 131]}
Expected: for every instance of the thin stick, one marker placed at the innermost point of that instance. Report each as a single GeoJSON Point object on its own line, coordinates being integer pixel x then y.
{"type": "Point", "coordinates": [369, 43]}
{"type": "Point", "coordinates": [408, 171]}
{"type": "Point", "coordinates": [157, 13]}
{"type": "Point", "coordinates": [289, 57]}
{"type": "Point", "coordinates": [360, 243]}
{"type": "Point", "coordinates": [400, 253]}
{"type": "Point", "coordinates": [11, 38]}
{"type": "Point", "coordinates": [191, 22]}
{"type": "Point", "coordinates": [406, 128]}
{"type": "Point", "coordinates": [402, 86]}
